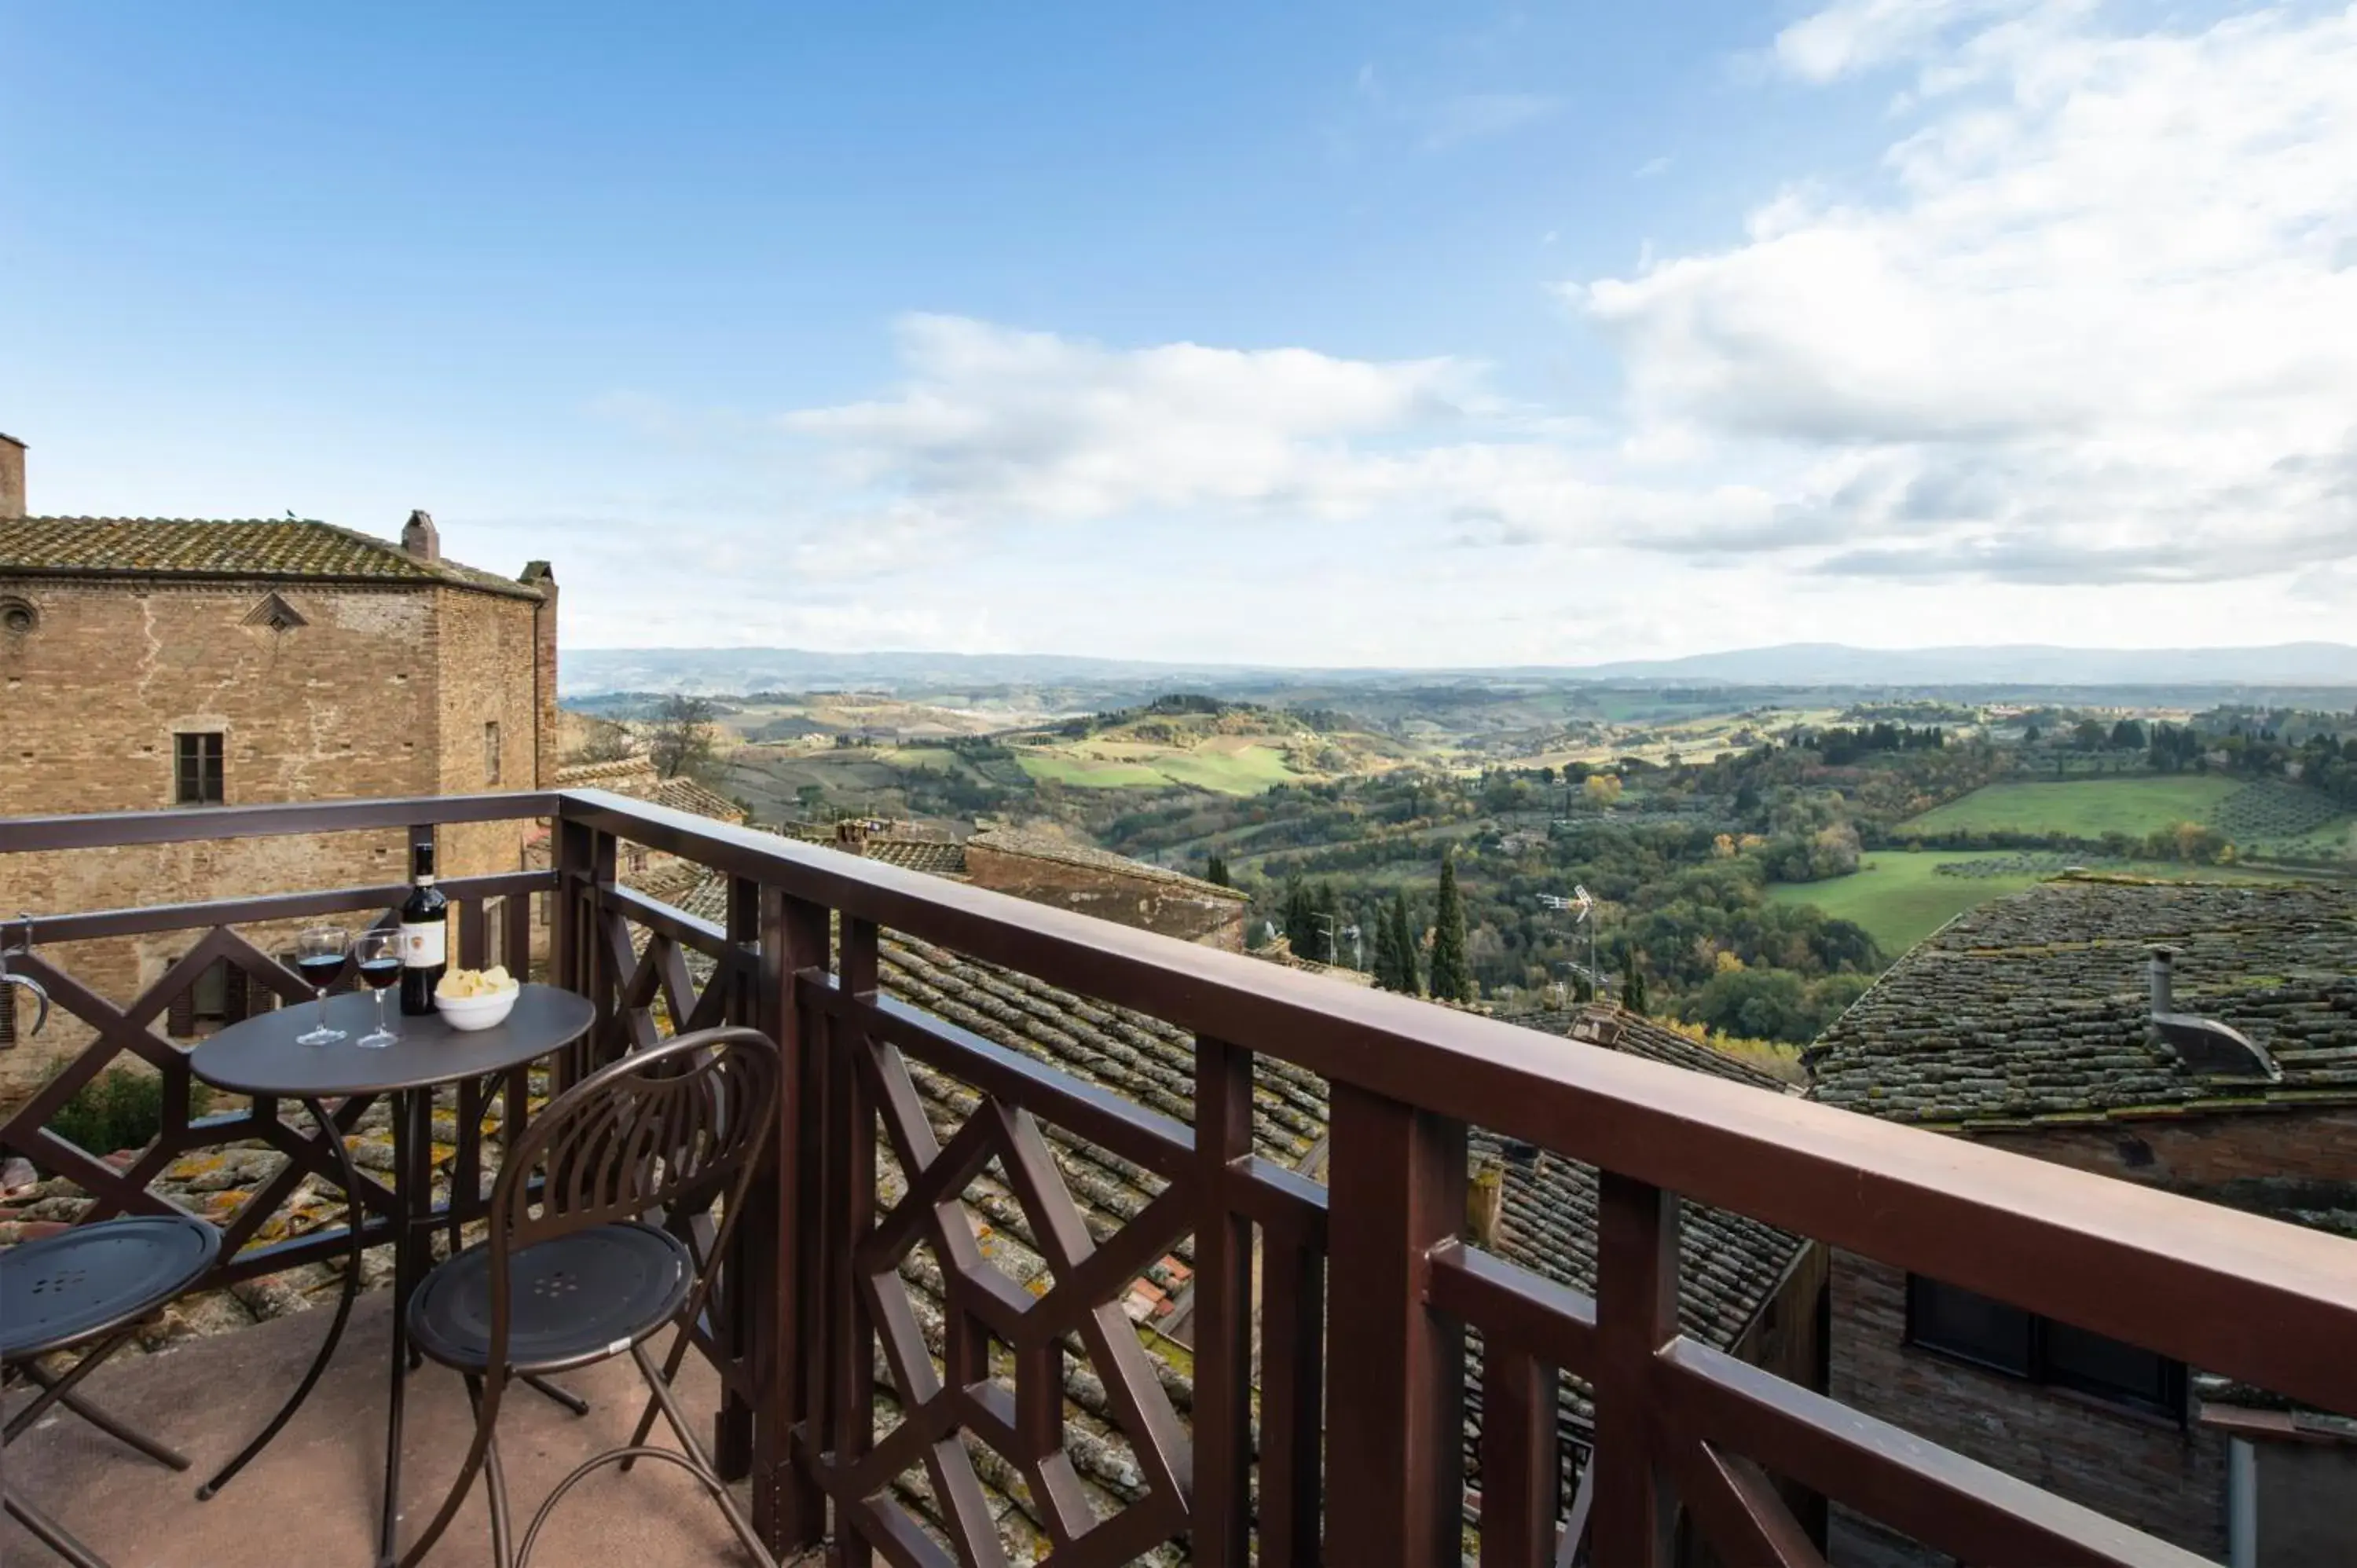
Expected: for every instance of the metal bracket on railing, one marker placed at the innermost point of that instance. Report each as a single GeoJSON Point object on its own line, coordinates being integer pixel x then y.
{"type": "Point", "coordinates": [26, 981]}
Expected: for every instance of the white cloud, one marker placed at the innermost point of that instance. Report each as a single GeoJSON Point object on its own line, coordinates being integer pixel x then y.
{"type": "Point", "coordinates": [995, 428]}
{"type": "Point", "coordinates": [2099, 323]}
{"type": "Point", "coordinates": [2084, 340]}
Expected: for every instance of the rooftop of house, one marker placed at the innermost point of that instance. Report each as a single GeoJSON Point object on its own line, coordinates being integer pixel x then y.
{"type": "Point", "coordinates": [940, 857]}
{"type": "Point", "coordinates": [606, 774]}
{"type": "Point", "coordinates": [288, 550]}
{"type": "Point", "coordinates": [687, 795]}
{"type": "Point", "coordinates": [1048, 847]}
{"type": "Point", "coordinates": [2031, 1010]}
{"type": "Point", "coordinates": [1635, 1035]}
{"type": "Point", "coordinates": [1731, 1265]}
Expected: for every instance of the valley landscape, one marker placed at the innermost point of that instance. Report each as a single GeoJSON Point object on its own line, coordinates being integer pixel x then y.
{"type": "Point", "coordinates": [1756, 852]}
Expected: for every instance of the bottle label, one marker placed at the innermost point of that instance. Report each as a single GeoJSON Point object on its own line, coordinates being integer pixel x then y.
{"type": "Point", "coordinates": [426, 945]}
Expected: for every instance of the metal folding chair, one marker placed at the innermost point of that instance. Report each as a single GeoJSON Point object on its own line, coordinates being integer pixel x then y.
{"type": "Point", "coordinates": [90, 1285]}
{"type": "Point", "coordinates": [575, 1271]}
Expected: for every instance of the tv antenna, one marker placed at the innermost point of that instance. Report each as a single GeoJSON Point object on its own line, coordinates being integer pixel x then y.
{"type": "Point", "coordinates": [1581, 906]}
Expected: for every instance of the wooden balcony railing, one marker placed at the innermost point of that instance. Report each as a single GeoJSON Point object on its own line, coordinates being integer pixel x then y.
{"type": "Point", "coordinates": [1326, 1411]}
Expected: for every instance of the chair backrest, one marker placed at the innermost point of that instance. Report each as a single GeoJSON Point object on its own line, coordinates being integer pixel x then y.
{"type": "Point", "coordinates": [681, 1121]}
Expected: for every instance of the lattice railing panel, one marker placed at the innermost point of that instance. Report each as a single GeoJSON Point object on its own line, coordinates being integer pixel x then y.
{"type": "Point", "coordinates": [255, 1217]}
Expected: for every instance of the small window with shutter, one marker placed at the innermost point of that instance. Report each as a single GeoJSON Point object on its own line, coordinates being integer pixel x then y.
{"type": "Point", "coordinates": [196, 768]}
{"type": "Point", "coordinates": [491, 752]}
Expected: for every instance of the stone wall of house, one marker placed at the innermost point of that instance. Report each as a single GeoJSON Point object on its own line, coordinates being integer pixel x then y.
{"type": "Point", "coordinates": [2307, 1503]}
{"type": "Point", "coordinates": [356, 702]}
{"type": "Point", "coordinates": [1173, 909]}
{"type": "Point", "coordinates": [2149, 1471]}
{"type": "Point", "coordinates": [2204, 1153]}
{"type": "Point", "coordinates": [485, 650]}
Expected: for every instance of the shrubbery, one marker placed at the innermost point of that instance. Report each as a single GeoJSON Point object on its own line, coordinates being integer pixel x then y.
{"type": "Point", "coordinates": [123, 1107]}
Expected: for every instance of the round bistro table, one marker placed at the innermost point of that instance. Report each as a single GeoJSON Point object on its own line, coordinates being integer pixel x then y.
{"type": "Point", "coordinates": [262, 1058]}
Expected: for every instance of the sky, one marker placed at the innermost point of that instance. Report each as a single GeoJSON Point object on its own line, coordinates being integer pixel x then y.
{"type": "Point", "coordinates": [1330, 334]}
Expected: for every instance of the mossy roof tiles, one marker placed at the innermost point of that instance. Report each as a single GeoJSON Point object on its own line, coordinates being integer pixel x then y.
{"type": "Point", "coordinates": [240, 549]}
{"type": "Point", "coordinates": [2033, 1007]}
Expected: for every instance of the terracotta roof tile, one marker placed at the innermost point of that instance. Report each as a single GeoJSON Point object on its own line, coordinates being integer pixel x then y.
{"type": "Point", "coordinates": [687, 795]}
{"type": "Point", "coordinates": [243, 548]}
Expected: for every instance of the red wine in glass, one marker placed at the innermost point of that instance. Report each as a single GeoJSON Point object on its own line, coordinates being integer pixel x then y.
{"type": "Point", "coordinates": [378, 955]}
{"type": "Point", "coordinates": [320, 955]}
{"type": "Point", "coordinates": [321, 971]}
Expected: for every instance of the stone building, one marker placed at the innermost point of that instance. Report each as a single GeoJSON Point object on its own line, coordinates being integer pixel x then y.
{"type": "Point", "coordinates": [2199, 1039]}
{"type": "Point", "coordinates": [163, 664]}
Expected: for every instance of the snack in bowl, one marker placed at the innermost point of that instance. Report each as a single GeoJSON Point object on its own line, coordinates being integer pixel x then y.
{"type": "Point", "coordinates": [471, 999]}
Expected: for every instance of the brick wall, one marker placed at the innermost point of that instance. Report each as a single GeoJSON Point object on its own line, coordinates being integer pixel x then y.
{"type": "Point", "coordinates": [2189, 1153]}
{"type": "Point", "coordinates": [485, 652]}
{"type": "Point", "coordinates": [2169, 1481]}
{"type": "Point", "coordinates": [1146, 902]}
{"type": "Point", "coordinates": [383, 691]}
{"type": "Point", "coordinates": [2151, 1473]}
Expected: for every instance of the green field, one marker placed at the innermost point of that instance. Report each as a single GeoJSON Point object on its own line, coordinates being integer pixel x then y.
{"type": "Point", "coordinates": [1899, 897]}
{"type": "Point", "coordinates": [2088, 809]}
{"type": "Point", "coordinates": [1092, 775]}
{"type": "Point", "coordinates": [1241, 770]}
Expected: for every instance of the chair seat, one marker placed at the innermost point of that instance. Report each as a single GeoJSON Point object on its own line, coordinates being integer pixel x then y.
{"type": "Point", "coordinates": [82, 1283]}
{"type": "Point", "coordinates": [576, 1298]}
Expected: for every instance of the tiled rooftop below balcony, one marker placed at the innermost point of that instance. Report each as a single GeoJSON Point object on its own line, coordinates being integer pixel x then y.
{"type": "Point", "coordinates": [312, 1498]}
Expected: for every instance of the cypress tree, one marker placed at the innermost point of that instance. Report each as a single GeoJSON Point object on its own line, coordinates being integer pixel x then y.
{"type": "Point", "coordinates": [1300, 927]}
{"type": "Point", "coordinates": [1386, 952]}
{"type": "Point", "coordinates": [1403, 944]}
{"type": "Point", "coordinates": [1452, 978]}
{"type": "Point", "coordinates": [1633, 982]}
{"type": "Point", "coordinates": [1215, 870]}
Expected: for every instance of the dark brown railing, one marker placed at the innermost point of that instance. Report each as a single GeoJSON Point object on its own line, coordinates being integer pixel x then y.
{"type": "Point", "coordinates": [1342, 1376]}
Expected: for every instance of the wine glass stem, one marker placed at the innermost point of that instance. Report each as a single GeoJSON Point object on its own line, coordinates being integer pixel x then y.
{"type": "Point", "coordinates": [322, 991]}
{"type": "Point", "coordinates": [379, 1011]}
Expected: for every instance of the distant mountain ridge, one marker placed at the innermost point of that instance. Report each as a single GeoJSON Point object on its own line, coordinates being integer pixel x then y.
{"type": "Point", "coordinates": [1836, 664]}
{"type": "Point", "coordinates": [590, 671]}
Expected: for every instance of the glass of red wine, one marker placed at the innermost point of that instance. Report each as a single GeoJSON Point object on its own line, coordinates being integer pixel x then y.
{"type": "Point", "coordinates": [320, 957]}
{"type": "Point", "coordinates": [378, 955]}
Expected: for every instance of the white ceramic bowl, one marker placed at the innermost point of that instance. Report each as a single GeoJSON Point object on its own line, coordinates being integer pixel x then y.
{"type": "Point", "coordinates": [472, 1013]}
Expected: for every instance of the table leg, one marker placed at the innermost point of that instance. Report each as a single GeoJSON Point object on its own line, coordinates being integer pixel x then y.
{"type": "Point", "coordinates": [356, 1220]}
{"type": "Point", "coordinates": [413, 1164]}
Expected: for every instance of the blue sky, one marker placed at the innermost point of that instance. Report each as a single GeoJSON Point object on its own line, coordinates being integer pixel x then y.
{"type": "Point", "coordinates": [1318, 333]}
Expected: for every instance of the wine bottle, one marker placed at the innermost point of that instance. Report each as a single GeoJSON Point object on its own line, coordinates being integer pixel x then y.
{"type": "Point", "coordinates": [425, 937]}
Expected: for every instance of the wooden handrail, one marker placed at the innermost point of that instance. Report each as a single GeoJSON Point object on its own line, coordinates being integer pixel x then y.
{"type": "Point", "coordinates": [2269, 1304]}
{"type": "Point", "coordinates": [2254, 1298]}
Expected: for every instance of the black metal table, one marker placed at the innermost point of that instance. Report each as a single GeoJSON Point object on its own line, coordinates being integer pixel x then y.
{"type": "Point", "coordinates": [261, 1056]}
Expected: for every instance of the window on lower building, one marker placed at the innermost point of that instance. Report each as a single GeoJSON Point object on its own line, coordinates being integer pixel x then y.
{"type": "Point", "coordinates": [196, 768]}
{"type": "Point", "coordinates": [221, 995]}
{"type": "Point", "coordinates": [491, 752]}
{"type": "Point", "coordinates": [2006, 1339]}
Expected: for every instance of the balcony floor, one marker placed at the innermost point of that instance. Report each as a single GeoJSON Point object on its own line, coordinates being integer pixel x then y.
{"type": "Point", "coordinates": [312, 1496]}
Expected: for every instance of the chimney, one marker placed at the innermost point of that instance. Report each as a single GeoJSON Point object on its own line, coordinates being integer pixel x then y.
{"type": "Point", "coordinates": [2164, 960]}
{"type": "Point", "coordinates": [1485, 1205]}
{"type": "Point", "coordinates": [851, 835]}
{"type": "Point", "coordinates": [12, 477]}
{"type": "Point", "coordinates": [419, 537]}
